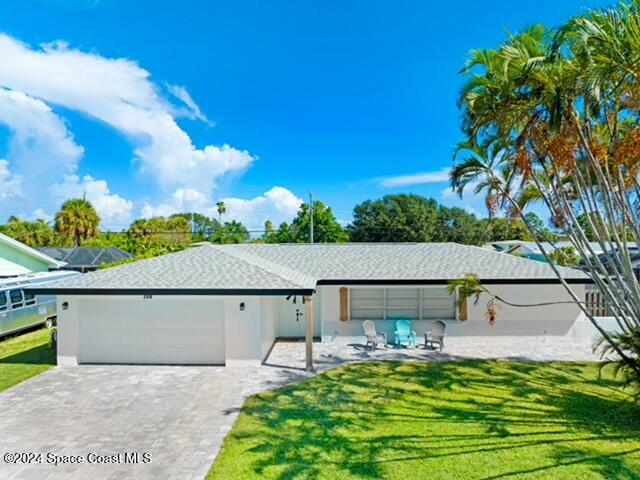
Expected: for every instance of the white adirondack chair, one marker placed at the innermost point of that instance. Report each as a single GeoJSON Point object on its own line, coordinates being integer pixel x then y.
{"type": "Point", "coordinates": [436, 335]}
{"type": "Point", "coordinates": [372, 335]}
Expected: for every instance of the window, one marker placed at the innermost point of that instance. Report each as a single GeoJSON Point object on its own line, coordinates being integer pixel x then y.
{"type": "Point", "coordinates": [367, 303]}
{"type": "Point", "coordinates": [16, 298]}
{"type": "Point", "coordinates": [402, 303]}
{"type": "Point", "coordinates": [29, 298]}
{"type": "Point", "coordinates": [3, 301]}
{"type": "Point", "coordinates": [433, 303]}
{"type": "Point", "coordinates": [437, 304]}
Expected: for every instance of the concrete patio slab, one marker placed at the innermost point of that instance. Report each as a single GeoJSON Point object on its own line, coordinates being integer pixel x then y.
{"type": "Point", "coordinates": [338, 350]}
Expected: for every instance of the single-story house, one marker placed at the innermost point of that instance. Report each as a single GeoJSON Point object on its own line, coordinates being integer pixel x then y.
{"type": "Point", "coordinates": [227, 304]}
{"type": "Point", "coordinates": [86, 259]}
{"type": "Point", "coordinates": [16, 258]}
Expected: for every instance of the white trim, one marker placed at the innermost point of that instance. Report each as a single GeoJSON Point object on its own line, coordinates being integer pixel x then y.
{"type": "Point", "coordinates": [30, 251]}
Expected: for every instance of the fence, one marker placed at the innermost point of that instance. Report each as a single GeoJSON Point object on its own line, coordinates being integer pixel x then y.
{"type": "Point", "coordinates": [596, 304]}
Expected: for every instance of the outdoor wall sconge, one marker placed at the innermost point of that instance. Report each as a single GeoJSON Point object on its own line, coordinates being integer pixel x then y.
{"type": "Point", "coordinates": [242, 306]}
{"type": "Point", "coordinates": [65, 305]}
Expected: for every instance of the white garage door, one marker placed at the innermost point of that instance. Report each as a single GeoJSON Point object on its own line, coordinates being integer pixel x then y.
{"type": "Point", "coordinates": [155, 331]}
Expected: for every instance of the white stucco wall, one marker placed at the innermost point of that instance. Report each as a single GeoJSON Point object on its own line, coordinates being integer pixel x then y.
{"type": "Point", "coordinates": [243, 331]}
{"type": "Point", "coordinates": [269, 325]}
{"type": "Point", "coordinates": [286, 318]}
{"type": "Point", "coordinates": [249, 334]}
{"type": "Point", "coordinates": [68, 346]}
{"type": "Point", "coordinates": [556, 320]}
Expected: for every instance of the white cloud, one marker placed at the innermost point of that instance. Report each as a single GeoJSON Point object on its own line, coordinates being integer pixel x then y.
{"type": "Point", "coordinates": [40, 143]}
{"type": "Point", "coordinates": [278, 205]}
{"type": "Point", "coordinates": [423, 178]}
{"type": "Point", "coordinates": [182, 200]}
{"type": "Point", "coordinates": [41, 152]}
{"type": "Point", "coordinates": [470, 201]}
{"type": "Point", "coordinates": [113, 209]}
{"type": "Point", "coordinates": [451, 193]}
{"type": "Point", "coordinates": [39, 213]}
{"type": "Point", "coordinates": [10, 184]}
{"type": "Point", "coordinates": [121, 94]}
{"type": "Point", "coordinates": [193, 110]}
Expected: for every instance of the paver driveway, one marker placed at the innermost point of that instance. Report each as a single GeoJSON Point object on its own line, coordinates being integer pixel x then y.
{"type": "Point", "coordinates": [179, 415]}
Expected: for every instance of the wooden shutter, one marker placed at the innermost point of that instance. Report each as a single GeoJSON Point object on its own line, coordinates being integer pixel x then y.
{"type": "Point", "coordinates": [462, 310]}
{"type": "Point", "coordinates": [344, 304]}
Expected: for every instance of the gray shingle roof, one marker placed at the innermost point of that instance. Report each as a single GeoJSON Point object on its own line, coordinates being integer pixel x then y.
{"type": "Point", "coordinates": [403, 261]}
{"type": "Point", "coordinates": [298, 267]}
{"type": "Point", "coordinates": [200, 268]}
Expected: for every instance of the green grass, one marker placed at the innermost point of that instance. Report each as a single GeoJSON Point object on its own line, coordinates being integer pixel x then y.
{"type": "Point", "coordinates": [455, 420]}
{"type": "Point", "coordinates": [24, 356]}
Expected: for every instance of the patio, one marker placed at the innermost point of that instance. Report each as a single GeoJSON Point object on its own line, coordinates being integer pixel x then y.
{"type": "Point", "coordinates": [339, 350]}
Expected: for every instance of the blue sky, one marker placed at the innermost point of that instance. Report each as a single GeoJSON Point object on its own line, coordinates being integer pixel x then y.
{"type": "Point", "coordinates": [331, 97]}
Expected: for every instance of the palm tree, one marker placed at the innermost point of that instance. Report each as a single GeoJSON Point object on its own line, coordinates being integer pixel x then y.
{"type": "Point", "coordinates": [37, 233]}
{"type": "Point", "coordinates": [564, 108]}
{"type": "Point", "coordinates": [77, 221]}
{"type": "Point", "coordinates": [222, 209]}
{"type": "Point", "coordinates": [484, 167]}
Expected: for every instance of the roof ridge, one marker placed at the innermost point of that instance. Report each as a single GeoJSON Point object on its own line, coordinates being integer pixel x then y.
{"type": "Point", "coordinates": [284, 272]}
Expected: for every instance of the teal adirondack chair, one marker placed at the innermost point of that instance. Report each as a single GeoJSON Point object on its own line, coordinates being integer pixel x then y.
{"type": "Point", "coordinates": [404, 334]}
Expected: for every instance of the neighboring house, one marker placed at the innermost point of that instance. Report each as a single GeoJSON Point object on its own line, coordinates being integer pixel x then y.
{"type": "Point", "coordinates": [532, 251]}
{"type": "Point", "coordinates": [226, 304]}
{"type": "Point", "coordinates": [86, 259]}
{"type": "Point", "coordinates": [16, 258]}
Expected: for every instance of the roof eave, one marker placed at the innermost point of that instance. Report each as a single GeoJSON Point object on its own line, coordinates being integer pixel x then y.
{"type": "Point", "coordinates": [44, 290]}
{"type": "Point", "coordinates": [444, 281]}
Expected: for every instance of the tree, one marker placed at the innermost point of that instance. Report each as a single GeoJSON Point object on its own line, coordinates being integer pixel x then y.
{"type": "Point", "coordinates": [326, 227]}
{"type": "Point", "coordinates": [282, 235]}
{"type": "Point", "coordinates": [562, 110]}
{"type": "Point", "coordinates": [501, 229]}
{"type": "Point", "coordinates": [231, 232]}
{"type": "Point", "coordinates": [175, 229]}
{"type": "Point", "coordinates": [543, 233]}
{"type": "Point", "coordinates": [147, 238]}
{"type": "Point", "coordinates": [36, 233]}
{"type": "Point", "coordinates": [565, 256]}
{"type": "Point", "coordinates": [77, 221]}
{"type": "Point", "coordinates": [222, 209]}
{"type": "Point", "coordinates": [268, 227]}
{"type": "Point", "coordinates": [201, 226]}
{"type": "Point", "coordinates": [457, 225]}
{"type": "Point", "coordinates": [395, 218]}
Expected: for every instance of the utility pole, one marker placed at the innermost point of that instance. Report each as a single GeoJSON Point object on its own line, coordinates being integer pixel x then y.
{"type": "Point", "coordinates": [310, 218]}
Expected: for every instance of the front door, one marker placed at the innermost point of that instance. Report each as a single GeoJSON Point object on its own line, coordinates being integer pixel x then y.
{"type": "Point", "coordinates": [292, 318]}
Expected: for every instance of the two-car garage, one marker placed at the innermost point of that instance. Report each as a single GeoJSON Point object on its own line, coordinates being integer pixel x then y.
{"type": "Point", "coordinates": [153, 331]}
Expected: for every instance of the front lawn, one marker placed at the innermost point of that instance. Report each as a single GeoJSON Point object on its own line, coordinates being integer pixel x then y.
{"type": "Point", "coordinates": [455, 420]}
{"type": "Point", "coordinates": [24, 356]}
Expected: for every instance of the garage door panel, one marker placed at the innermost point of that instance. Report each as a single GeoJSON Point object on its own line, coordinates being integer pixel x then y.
{"type": "Point", "coordinates": [154, 332]}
